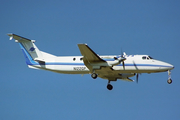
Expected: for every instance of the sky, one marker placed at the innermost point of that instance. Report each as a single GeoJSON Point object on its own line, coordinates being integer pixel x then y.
{"type": "Point", "coordinates": [149, 27]}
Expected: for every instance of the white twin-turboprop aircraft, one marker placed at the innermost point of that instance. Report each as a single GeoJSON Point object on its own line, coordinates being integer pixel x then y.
{"type": "Point", "coordinates": [110, 67]}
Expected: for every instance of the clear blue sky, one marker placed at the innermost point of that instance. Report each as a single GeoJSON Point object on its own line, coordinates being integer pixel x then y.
{"type": "Point", "coordinates": [138, 27]}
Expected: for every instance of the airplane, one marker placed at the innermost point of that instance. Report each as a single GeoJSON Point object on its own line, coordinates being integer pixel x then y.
{"type": "Point", "coordinates": [110, 67]}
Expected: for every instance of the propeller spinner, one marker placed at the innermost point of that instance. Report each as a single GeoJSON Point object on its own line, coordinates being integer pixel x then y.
{"type": "Point", "coordinates": [121, 59]}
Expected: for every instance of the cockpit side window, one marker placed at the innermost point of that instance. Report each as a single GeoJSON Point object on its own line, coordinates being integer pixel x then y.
{"type": "Point", "coordinates": [147, 57]}
{"type": "Point", "coordinates": [144, 57]}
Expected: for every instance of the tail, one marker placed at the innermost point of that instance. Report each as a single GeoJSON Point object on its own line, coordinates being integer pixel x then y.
{"type": "Point", "coordinates": [32, 54]}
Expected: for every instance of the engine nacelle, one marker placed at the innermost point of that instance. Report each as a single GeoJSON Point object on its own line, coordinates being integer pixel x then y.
{"type": "Point", "coordinates": [125, 75]}
{"type": "Point", "coordinates": [112, 63]}
{"type": "Point", "coordinates": [105, 64]}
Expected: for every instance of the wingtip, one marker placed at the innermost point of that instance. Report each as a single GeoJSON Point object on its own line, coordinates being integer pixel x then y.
{"type": "Point", "coordinates": [82, 44]}
{"type": "Point", "coordinates": [10, 35]}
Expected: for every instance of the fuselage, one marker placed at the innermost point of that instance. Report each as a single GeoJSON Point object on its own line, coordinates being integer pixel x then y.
{"type": "Point", "coordinates": [75, 64]}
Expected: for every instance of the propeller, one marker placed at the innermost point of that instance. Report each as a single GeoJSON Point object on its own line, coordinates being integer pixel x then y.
{"type": "Point", "coordinates": [121, 58]}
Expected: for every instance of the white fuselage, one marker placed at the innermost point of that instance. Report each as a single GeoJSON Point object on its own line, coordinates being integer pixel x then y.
{"type": "Point", "coordinates": [75, 65]}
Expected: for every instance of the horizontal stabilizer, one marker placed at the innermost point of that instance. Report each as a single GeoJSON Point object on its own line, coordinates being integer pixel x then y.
{"type": "Point", "coordinates": [18, 38]}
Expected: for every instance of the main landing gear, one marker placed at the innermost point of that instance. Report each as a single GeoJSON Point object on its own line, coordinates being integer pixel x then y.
{"type": "Point", "coordinates": [109, 86]}
{"type": "Point", "coordinates": [94, 75]}
{"type": "Point", "coordinates": [169, 81]}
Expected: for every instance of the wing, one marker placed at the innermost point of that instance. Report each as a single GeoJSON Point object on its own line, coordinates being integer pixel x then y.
{"type": "Point", "coordinates": [89, 54]}
{"type": "Point", "coordinates": [95, 64]}
{"type": "Point", "coordinates": [90, 58]}
{"type": "Point", "coordinates": [113, 75]}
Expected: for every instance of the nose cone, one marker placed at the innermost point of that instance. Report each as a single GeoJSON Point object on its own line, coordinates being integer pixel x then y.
{"type": "Point", "coordinates": [171, 67]}
{"type": "Point", "coordinates": [168, 66]}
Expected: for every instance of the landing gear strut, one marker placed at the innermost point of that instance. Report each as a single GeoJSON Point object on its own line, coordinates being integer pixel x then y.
{"type": "Point", "coordinates": [109, 86]}
{"type": "Point", "coordinates": [169, 81]}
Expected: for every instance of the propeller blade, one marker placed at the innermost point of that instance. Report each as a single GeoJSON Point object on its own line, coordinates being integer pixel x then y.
{"type": "Point", "coordinates": [137, 76]}
{"type": "Point", "coordinates": [122, 58]}
{"type": "Point", "coordinates": [123, 65]}
{"type": "Point", "coordinates": [124, 53]}
{"type": "Point", "coordinates": [121, 53]}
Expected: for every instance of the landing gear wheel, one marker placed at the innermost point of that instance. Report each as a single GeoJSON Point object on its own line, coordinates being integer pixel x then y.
{"type": "Point", "coordinates": [169, 81]}
{"type": "Point", "coordinates": [94, 75]}
{"type": "Point", "coordinates": [109, 87]}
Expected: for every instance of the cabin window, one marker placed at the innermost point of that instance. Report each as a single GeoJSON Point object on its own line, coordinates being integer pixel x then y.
{"type": "Point", "coordinates": [74, 59]}
{"type": "Point", "coordinates": [81, 58]}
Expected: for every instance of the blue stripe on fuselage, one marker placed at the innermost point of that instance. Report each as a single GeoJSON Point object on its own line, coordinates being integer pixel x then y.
{"type": "Point", "coordinates": [147, 65]}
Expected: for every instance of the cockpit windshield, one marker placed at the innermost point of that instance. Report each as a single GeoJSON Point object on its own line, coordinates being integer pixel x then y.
{"type": "Point", "coordinates": [147, 57]}
{"type": "Point", "coordinates": [150, 57]}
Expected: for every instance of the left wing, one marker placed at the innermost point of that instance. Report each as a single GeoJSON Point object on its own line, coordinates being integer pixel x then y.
{"type": "Point", "coordinates": [89, 54]}
{"type": "Point", "coordinates": [90, 58]}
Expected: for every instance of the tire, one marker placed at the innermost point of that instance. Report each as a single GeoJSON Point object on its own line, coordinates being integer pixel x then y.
{"type": "Point", "coordinates": [109, 87]}
{"type": "Point", "coordinates": [94, 75]}
{"type": "Point", "coordinates": [169, 81]}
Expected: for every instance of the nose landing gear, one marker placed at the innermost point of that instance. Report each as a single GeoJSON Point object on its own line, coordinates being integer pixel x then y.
{"type": "Point", "coordinates": [169, 81]}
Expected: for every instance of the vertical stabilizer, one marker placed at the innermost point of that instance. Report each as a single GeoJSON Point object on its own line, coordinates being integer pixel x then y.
{"type": "Point", "coordinates": [28, 47]}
